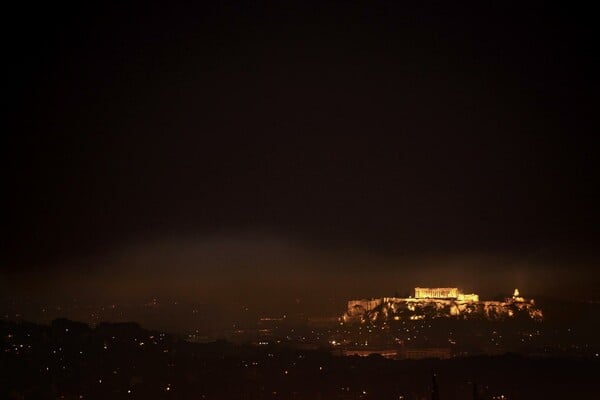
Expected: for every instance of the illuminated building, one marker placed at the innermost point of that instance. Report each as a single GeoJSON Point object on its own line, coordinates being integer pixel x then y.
{"type": "Point", "coordinates": [436, 293]}
{"type": "Point", "coordinates": [517, 297]}
{"type": "Point", "coordinates": [444, 293]}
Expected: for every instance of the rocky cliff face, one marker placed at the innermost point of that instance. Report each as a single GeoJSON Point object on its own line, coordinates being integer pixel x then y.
{"type": "Point", "coordinates": [391, 308]}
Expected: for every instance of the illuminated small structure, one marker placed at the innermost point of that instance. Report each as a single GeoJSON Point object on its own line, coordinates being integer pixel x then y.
{"type": "Point", "coordinates": [517, 297]}
{"type": "Point", "coordinates": [468, 297]}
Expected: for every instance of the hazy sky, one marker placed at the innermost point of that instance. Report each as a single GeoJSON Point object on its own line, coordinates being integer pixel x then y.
{"type": "Point", "coordinates": [263, 147]}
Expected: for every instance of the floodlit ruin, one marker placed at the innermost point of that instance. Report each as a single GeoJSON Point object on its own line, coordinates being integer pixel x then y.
{"type": "Point", "coordinates": [440, 303]}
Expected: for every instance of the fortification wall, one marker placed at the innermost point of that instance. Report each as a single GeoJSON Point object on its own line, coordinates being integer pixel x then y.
{"type": "Point", "coordinates": [359, 307]}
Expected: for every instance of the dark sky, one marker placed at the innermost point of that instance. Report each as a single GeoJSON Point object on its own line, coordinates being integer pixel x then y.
{"type": "Point", "coordinates": [257, 144]}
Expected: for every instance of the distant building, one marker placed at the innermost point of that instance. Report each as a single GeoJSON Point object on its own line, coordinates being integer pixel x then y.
{"type": "Point", "coordinates": [436, 293]}
{"type": "Point", "coordinates": [444, 293]}
{"type": "Point", "coordinates": [517, 297]}
{"type": "Point", "coordinates": [468, 297]}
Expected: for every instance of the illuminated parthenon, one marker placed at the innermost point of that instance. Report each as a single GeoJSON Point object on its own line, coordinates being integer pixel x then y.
{"type": "Point", "coordinates": [436, 293]}
{"type": "Point", "coordinates": [444, 293]}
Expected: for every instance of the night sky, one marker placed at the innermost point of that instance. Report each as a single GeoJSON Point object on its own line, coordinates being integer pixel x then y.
{"type": "Point", "coordinates": [299, 149]}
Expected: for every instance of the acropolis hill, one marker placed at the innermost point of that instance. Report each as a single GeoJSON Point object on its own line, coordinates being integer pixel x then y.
{"type": "Point", "coordinates": [448, 302]}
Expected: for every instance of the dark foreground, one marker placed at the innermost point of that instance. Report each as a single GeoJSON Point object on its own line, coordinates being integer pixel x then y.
{"type": "Point", "coordinates": [69, 360]}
